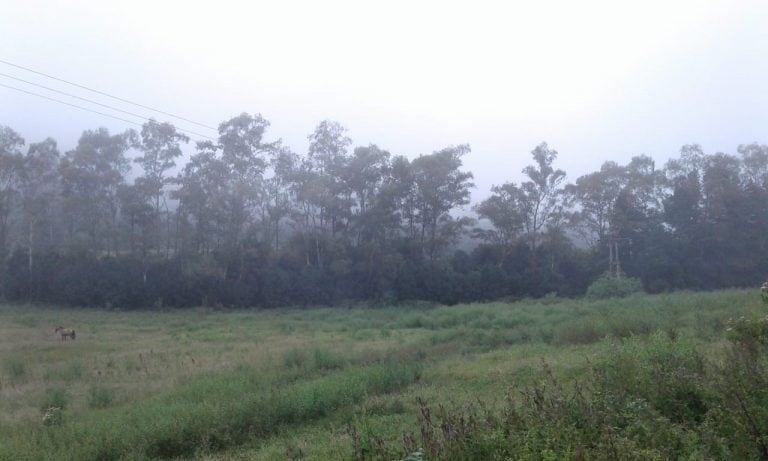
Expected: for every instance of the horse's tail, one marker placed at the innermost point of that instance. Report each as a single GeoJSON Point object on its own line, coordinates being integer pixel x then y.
{"type": "Point", "coordinates": [73, 334]}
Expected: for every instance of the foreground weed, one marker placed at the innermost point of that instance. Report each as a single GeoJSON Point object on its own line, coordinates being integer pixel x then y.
{"type": "Point", "coordinates": [650, 398]}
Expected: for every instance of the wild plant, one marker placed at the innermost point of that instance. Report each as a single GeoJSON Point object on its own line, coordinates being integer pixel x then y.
{"type": "Point", "coordinates": [656, 397]}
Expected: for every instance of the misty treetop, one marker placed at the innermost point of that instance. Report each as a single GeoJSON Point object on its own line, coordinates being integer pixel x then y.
{"type": "Point", "coordinates": [121, 220]}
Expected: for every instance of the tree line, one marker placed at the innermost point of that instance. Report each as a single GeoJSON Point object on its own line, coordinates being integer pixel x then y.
{"type": "Point", "coordinates": [246, 221]}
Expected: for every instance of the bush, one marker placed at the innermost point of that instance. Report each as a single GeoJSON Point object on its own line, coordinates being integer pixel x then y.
{"type": "Point", "coordinates": [607, 287]}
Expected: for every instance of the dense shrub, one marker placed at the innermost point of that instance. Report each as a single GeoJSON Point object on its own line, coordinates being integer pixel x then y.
{"type": "Point", "coordinates": [608, 286]}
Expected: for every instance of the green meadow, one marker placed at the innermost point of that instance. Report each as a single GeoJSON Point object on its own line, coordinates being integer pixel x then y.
{"type": "Point", "coordinates": [677, 376]}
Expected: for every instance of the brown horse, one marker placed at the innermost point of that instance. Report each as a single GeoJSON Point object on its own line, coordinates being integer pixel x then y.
{"type": "Point", "coordinates": [65, 332]}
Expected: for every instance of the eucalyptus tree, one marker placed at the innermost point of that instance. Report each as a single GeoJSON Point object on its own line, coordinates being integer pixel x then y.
{"type": "Point", "coordinates": [91, 176]}
{"type": "Point", "coordinates": [441, 186]}
{"type": "Point", "coordinates": [278, 203]}
{"type": "Point", "coordinates": [639, 207]}
{"type": "Point", "coordinates": [595, 195]}
{"type": "Point", "coordinates": [137, 218]}
{"type": "Point", "coordinates": [542, 195]}
{"type": "Point", "coordinates": [245, 154]}
{"type": "Point", "coordinates": [10, 163]}
{"type": "Point", "coordinates": [202, 192]}
{"type": "Point", "coordinates": [39, 192]}
{"type": "Point", "coordinates": [648, 184]}
{"type": "Point", "coordinates": [691, 160]}
{"type": "Point", "coordinates": [754, 172]}
{"type": "Point", "coordinates": [400, 190]}
{"type": "Point", "coordinates": [159, 145]}
{"type": "Point", "coordinates": [322, 203]}
{"type": "Point", "coordinates": [365, 175]}
{"type": "Point", "coordinates": [327, 159]}
{"type": "Point", "coordinates": [726, 208]}
{"type": "Point", "coordinates": [504, 210]}
{"type": "Point", "coordinates": [683, 208]}
{"type": "Point", "coordinates": [754, 161]}
{"type": "Point", "coordinates": [222, 191]}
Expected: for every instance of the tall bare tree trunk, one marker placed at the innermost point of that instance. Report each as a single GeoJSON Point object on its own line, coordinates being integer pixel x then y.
{"type": "Point", "coordinates": [30, 257]}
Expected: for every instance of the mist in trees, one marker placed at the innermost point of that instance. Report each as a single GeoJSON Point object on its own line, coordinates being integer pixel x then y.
{"type": "Point", "coordinates": [123, 220]}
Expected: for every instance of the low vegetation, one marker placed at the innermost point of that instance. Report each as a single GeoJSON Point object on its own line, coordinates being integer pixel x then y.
{"type": "Point", "coordinates": [608, 286]}
{"type": "Point", "coordinates": [642, 377]}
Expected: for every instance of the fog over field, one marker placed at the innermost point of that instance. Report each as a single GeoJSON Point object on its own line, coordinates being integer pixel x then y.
{"type": "Point", "coordinates": [597, 80]}
{"type": "Point", "coordinates": [404, 230]}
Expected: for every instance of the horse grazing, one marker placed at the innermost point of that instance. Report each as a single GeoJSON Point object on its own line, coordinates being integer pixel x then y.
{"type": "Point", "coordinates": [65, 332]}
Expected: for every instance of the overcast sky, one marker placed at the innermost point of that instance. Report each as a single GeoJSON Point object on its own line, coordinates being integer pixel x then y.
{"type": "Point", "coordinates": [596, 80]}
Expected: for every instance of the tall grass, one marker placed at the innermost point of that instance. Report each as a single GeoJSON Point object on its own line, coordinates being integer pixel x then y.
{"type": "Point", "coordinates": [138, 385]}
{"type": "Point", "coordinates": [207, 414]}
{"type": "Point", "coordinates": [654, 397]}
{"type": "Point", "coordinates": [14, 367]}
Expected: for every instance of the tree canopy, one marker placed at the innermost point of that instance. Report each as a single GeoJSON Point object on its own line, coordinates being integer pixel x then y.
{"type": "Point", "coordinates": [245, 221]}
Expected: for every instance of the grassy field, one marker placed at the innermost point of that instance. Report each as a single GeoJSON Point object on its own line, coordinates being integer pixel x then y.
{"type": "Point", "coordinates": [340, 383]}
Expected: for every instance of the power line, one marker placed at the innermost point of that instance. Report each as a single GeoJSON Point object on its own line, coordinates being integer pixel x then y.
{"type": "Point", "coordinates": [73, 96]}
{"type": "Point", "coordinates": [94, 111]}
{"type": "Point", "coordinates": [106, 94]}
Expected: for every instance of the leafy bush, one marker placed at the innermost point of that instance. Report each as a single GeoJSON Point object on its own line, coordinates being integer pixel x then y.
{"type": "Point", "coordinates": [742, 382]}
{"type": "Point", "coordinates": [608, 286]}
{"type": "Point", "coordinates": [751, 333]}
{"type": "Point", "coordinates": [667, 374]}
